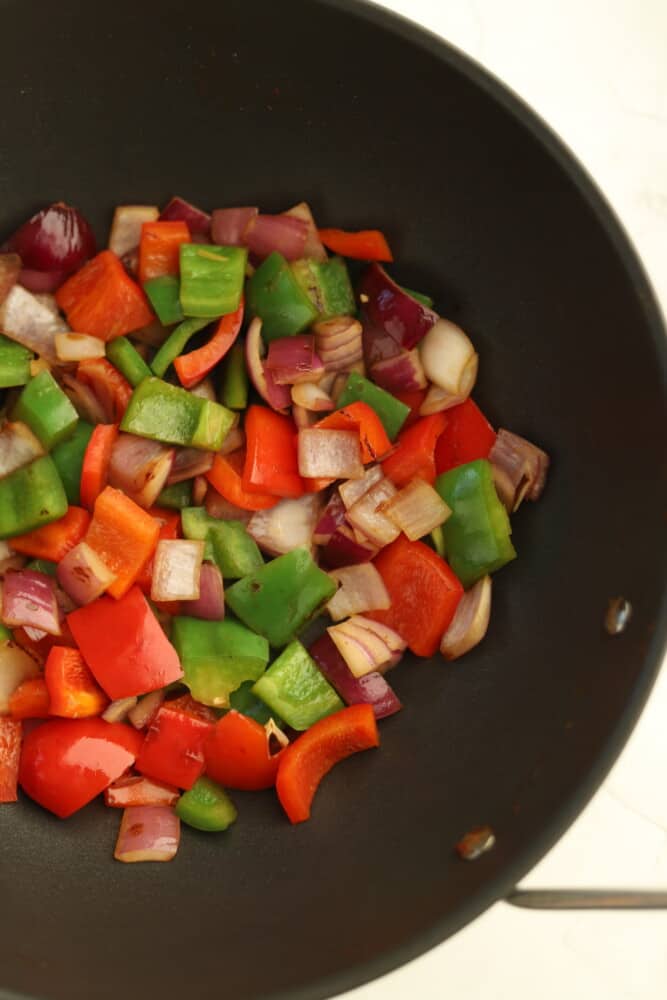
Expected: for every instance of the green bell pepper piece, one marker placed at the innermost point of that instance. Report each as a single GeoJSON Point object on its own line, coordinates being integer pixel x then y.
{"type": "Point", "coordinates": [327, 284]}
{"type": "Point", "coordinates": [276, 297]}
{"type": "Point", "coordinates": [68, 459]}
{"type": "Point", "coordinates": [211, 279]}
{"type": "Point", "coordinates": [425, 300]}
{"type": "Point", "coordinates": [477, 535]}
{"type": "Point", "coordinates": [47, 411]}
{"type": "Point", "coordinates": [43, 566]}
{"type": "Point", "coordinates": [14, 363]}
{"type": "Point", "coordinates": [167, 413]}
{"type": "Point", "coordinates": [31, 497]}
{"type": "Point", "coordinates": [206, 806]}
{"type": "Point", "coordinates": [390, 410]}
{"type": "Point", "coordinates": [294, 687]}
{"type": "Point", "coordinates": [234, 551]}
{"type": "Point", "coordinates": [438, 541]}
{"type": "Point", "coordinates": [244, 701]}
{"type": "Point", "coordinates": [175, 344]}
{"type": "Point", "coordinates": [5, 635]}
{"type": "Point", "coordinates": [177, 496]}
{"type": "Point", "coordinates": [124, 356]}
{"type": "Point", "coordinates": [235, 379]}
{"type": "Point", "coordinates": [164, 294]}
{"type": "Point", "coordinates": [280, 597]}
{"type": "Point", "coordinates": [217, 657]}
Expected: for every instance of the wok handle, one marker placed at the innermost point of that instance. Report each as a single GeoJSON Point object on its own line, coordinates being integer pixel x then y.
{"type": "Point", "coordinates": [589, 899]}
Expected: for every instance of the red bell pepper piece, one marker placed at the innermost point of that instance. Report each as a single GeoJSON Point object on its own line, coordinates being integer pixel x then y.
{"type": "Point", "coordinates": [304, 763]}
{"type": "Point", "coordinates": [173, 750]}
{"type": "Point", "coordinates": [359, 416]}
{"type": "Point", "coordinates": [123, 535]}
{"type": "Point", "coordinates": [53, 541]}
{"type": "Point", "coordinates": [66, 763]}
{"type": "Point", "coordinates": [414, 399]}
{"type": "Point", "coordinates": [424, 594]}
{"type": "Point", "coordinates": [467, 437]}
{"type": "Point", "coordinates": [30, 700]}
{"type": "Point", "coordinates": [101, 299]}
{"type": "Point", "coordinates": [159, 248]}
{"type": "Point", "coordinates": [135, 790]}
{"type": "Point", "coordinates": [226, 477]}
{"type": "Point", "coordinates": [415, 452]}
{"type": "Point", "coordinates": [193, 367]}
{"type": "Point", "coordinates": [271, 459]}
{"type": "Point", "coordinates": [111, 388]}
{"type": "Point", "coordinates": [124, 646]}
{"type": "Point", "coordinates": [10, 752]}
{"type": "Point", "coordinates": [73, 691]}
{"type": "Point", "coordinates": [96, 460]}
{"type": "Point", "coordinates": [367, 244]}
{"type": "Point", "coordinates": [237, 754]}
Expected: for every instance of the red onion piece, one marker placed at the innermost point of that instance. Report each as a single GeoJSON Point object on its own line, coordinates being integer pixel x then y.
{"type": "Point", "coordinates": [278, 397]}
{"type": "Point", "coordinates": [57, 238]}
{"type": "Point", "coordinates": [371, 689]}
{"type": "Point", "coordinates": [85, 402]}
{"type": "Point", "coordinates": [29, 598]}
{"type": "Point", "coordinates": [389, 312]}
{"type": "Point", "coordinates": [118, 711]}
{"type": "Point", "coordinates": [331, 519]}
{"type": "Point", "coordinates": [343, 549]}
{"type": "Point", "coordinates": [146, 709]}
{"type": "Point", "coordinates": [140, 468]}
{"type": "Point", "coordinates": [179, 210]}
{"type": "Point", "coordinates": [229, 225]}
{"type": "Point", "coordinates": [210, 604]}
{"type": "Point", "coordinates": [83, 575]}
{"type": "Point", "coordinates": [18, 447]}
{"type": "Point", "coordinates": [293, 359]}
{"type": "Point", "coordinates": [402, 373]}
{"type": "Point", "coordinates": [188, 463]}
{"type": "Point", "coordinates": [10, 268]}
{"type": "Point", "coordinates": [361, 589]}
{"type": "Point", "coordinates": [41, 282]}
{"type": "Point", "coordinates": [329, 454]}
{"type": "Point", "coordinates": [148, 833]}
{"type": "Point", "coordinates": [288, 525]}
{"type": "Point", "coordinates": [176, 570]}
{"type": "Point", "coordinates": [137, 790]}
{"type": "Point", "coordinates": [519, 469]}
{"type": "Point", "coordinates": [218, 507]}
{"type": "Point", "coordinates": [28, 321]}
{"type": "Point", "coordinates": [126, 227]}
{"type": "Point", "coordinates": [313, 248]}
{"type": "Point", "coordinates": [284, 233]}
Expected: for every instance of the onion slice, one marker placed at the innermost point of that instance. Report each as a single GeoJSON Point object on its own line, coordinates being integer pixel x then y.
{"type": "Point", "coordinates": [288, 525]}
{"type": "Point", "coordinates": [78, 347]}
{"type": "Point", "coordinates": [119, 710]}
{"type": "Point", "coordinates": [137, 790]}
{"type": "Point", "coordinates": [338, 342]}
{"type": "Point", "coordinates": [278, 397]}
{"type": "Point", "coordinates": [449, 359]}
{"type": "Point", "coordinates": [363, 647]}
{"type": "Point", "coordinates": [218, 506]}
{"type": "Point", "coordinates": [28, 321]}
{"type": "Point", "coordinates": [188, 463]}
{"type": "Point", "coordinates": [371, 689]}
{"type": "Point", "coordinates": [229, 225]}
{"type": "Point", "coordinates": [311, 397]}
{"type": "Point", "coordinates": [146, 709]}
{"type": "Point", "coordinates": [210, 605]}
{"type": "Point", "coordinates": [329, 454]}
{"type": "Point", "coordinates": [29, 598]}
{"type": "Point", "coordinates": [140, 468]}
{"type": "Point", "coordinates": [18, 447]}
{"type": "Point", "coordinates": [519, 469]}
{"type": "Point", "coordinates": [392, 318]}
{"type": "Point", "coordinates": [179, 210]}
{"type": "Point", "coordinates": [282, 233]}
{"type": "Point", "coordinates": [361, 588]}
{"type": "Point", "coordinates": [367, 514]}
{"type": "Point", "coordinates": [293, 359]}
{"type": "Point", "coordinates": [354, 489]}
{"type": "Point", "coordinates": [148, 833]}
{"type": "Point", "coordinates": [85, 402]}
{"type": "Point", "coordinates": [10, 268]}
{"type": "Point", "coordinates": [343, 549]}
{"type": "Point", "coordinates": [176, 570]}
{"type": "Point", "coordinates": [313, 248]}
{"type": "Point", "coordinates": [126, 226]}
{"type": "Point", "coordinates": [470, 622]}
{"type": "Point", "coordinates": [333, 516]}
{"type": "Point", "coordinates": [83, 575]}
{"type": "Point", "coordinates": [402, 373]}
{"type": "Point", "coordinates": [417, 509]}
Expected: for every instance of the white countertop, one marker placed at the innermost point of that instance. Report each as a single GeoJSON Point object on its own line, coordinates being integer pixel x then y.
{"type": "Point", "coordinates": [596, 71]}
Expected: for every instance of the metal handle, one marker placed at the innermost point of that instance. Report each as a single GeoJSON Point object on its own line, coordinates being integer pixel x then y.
{"type": "Point", "coordinates": [589, 899]}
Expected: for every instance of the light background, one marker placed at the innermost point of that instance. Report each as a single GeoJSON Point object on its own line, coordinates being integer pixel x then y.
{"type": "Point", "coordinates": [596, 71]}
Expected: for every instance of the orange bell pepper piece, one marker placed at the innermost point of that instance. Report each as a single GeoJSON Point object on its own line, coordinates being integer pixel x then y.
{"type": "Point", "coordinates": [73, 691]}
{"type": "Point", "coordinates": [53, 541]}
{"type": "Point", "coordinates": [102, 299]}
{"type": "Point", "coordinates": [123, 535]}
{"type": "Point", "coordinates": [96, 459]}
{"type": "Point", "coordinates": [159, 248]}
{"type": "Point", "coordinates": [415, 452]}
{"type": "Point", "coordinates": [237, 754]}
{"type": "Point", "coordinates": [226, 477]}
{"type": "Point", "coordinates": [10, 753]}
{"type": "Point", "coordinates": [30, 700]}
{"type": "Point", "coordinates": [193, 367]}
{"type": "Point", "coordinates": [367, 244]}
{"type": "Point", "coordinates": [360, 416]}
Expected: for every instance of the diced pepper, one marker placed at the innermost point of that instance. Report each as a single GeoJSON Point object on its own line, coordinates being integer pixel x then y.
{"type": "Point", "coordinates": [467, 436]}
{"type": "Point", "coordinates": [47, 411]}
{"type": "Point", "coordinates": [101, 299]}
{"type": "Point", "coordinates": [211, 279]}
{"type": "Point", "coordinates": [280, 597]}
{"type": "Point", "coordinates": [159, 248]}
{"type": "Point", "coordinates": [14, 363]}
{"type": "Point", "coordinates": [306, 761]}
{"type": "Point", "coordinates": [107, 383]}
{"type": "Point", "coordinates": [43, 566]}
{"type": "Point", "coordinates": [235, 383]}
{"type": "Point", "coordinates": [226, 476]}
{"type": "Point", "coordinates": [175, 343]}
{"type": "Point", "coordinates": [30, 700]}
{"type": "Point", "coordinates": [238, 755]}
{"type": "Point", "coordinates": [126, 358]}
{"type": "Point", "coordinates": [294, 688]}
{"type": "Point", "coordinates": [173, 750]}
{"type": "Point", "coordinates": [246, 703]}
{"type": "Point", "coordinates": [31, 497]}
{"type": "Point", "coordinates": [412, 399]}
{"type": "Point", "coordinates": [276, 297]}
{"type": "Point", "coordinates": [415, 452]}
{"type": "Point", "coordinates": [53, 541]}
{"type": "Point", "coordinates": [96, 460]}
{"type": "Point", "coordinates": [10, 753]}
{"type": "Point", "coordinates": [217, 657]}
{"type": "Point", "coordinates": [206, 806]}
{"type": "Point", "coordinates": [367, 244]}
{"type": "Point", "coordinates": [390, 410]}
{"type": "Point", "coordinates": [178, 495]}
{"type": "Point", "coordinates": [438, 541]}
{"type": "Point", "coordinates": [424, 594]}
{"type": "Point", "coordinates": [234, 551]}
{"type": "Point", "coordinates": [360, 416]}
{"type": "Point", "coordinates": [167, 413]}
{"type": "Point", "coordinates": [124, 537]}
{"type": "Point", "coordinates": [477, 535]}
{"type": "Point", "coordinates": [164, 295]}
{"type": "Point", "coordinates": [193, 367]}
{"type": "Point", "coordinates": [73, 691]}
{"type": "Point", "coordinates": [124, 646]}
{"type": "Point", "coordinates": [68, 459]}
{"type": "Point", "coordinates": [327, 284]}
{"type": "Point", "coordinates": [271, 460]}
{"type": "Point", "coordinates": [136, 790]}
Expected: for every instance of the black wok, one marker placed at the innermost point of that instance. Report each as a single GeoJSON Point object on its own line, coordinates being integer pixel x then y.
{"type": "Point", "coordinates": [374, 123]}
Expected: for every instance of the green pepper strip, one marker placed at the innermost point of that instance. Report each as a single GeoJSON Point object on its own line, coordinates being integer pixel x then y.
{"type": "Point", "coordinates": [167, 413]}
{"type": "Point", "coordinates": [126, 358]}
{"type": "Point", "coordinates": [235, 379]}
{"type": "Point", "coordinates": [327, 284]}
{"type": "Point", "coordinates": [31, 497]}
{"type": "Point", "coordinates": [206, 806]}
{"type": "Point", "coordinates": [164, 294]}
{"type": "Point", "coordinates": [175, 344]}
{"type": "Point", "coordinates": [390, 410]}
{"type": "Point", "coordinates": [233, 550]}
{"type": "Point", "coordinates": [47, 411]}
{"type": "Point", "coordinates": [211, 279]}
{"type": "Point", "coordinates": [68, 459]}
{"type": "Point", "coordinates": [176, 496]}
{"type": "Point", "coordinates": [14, 363]}
{"type": "Point", "coordinates": [217, 657]}
{"type": "Point", "coordinates": [294, 687]}
{"type": "Point", "coordinates": [276, 297]}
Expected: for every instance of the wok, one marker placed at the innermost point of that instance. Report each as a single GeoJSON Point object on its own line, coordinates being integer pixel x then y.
{"type": "Point", "coordinates": [374, 123]}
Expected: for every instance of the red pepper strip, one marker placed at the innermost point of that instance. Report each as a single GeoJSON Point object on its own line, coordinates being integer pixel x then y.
{"type": "Point", "coordinates": [123, 535]}
{"type": "Point", "coordinates": [193, 367]}
{"type": "Point", "coordinates": [73, 691]}
{"type": "Point", "coordinates": [237, 754]}
{"type": "Point", "coordinates": [54, 540]}
{"type": "Point", "coordinates": [359, 416]}
{"type": "Point", "coordinates": [414, 457]}
{"type": "Point", "coordinates": [101, 299]}
{"type": "Point", "coordinates": [468, 436]}
{"type": "Point", "coordinates": [368, 244]}
{"type": "Point", "coordinates": [134, 790]}
{"type": "Point", "coordinates": [10, 753]}
{"type": "Point", "coordinates": [271, 460]}
{"type": "Point", "coordinates": [315, 485]}
{"type": "Point", "coordinates": [226, 477]}
{"type": "Point", "coordinates": [173, 750]}
{"type": "Point", "coordinates": [66, 763]}
{"type": "Point", "coordinates": [159, 248]}
{"type": "Point", "coordinates": [304, 763]}
{"type": "Point", "coordinates": [39, 649]}
{"type": "Point", "coordinates": [110, 387]}
{"type": "Point", "coordinates": [96, 459]}
{"type": "Point", "coordinates": [414, 400]}
{"type": "Point", "coordinates": [30, 700]}
{"type": "Point", "coordinates": [424, 594]}
{"type": "Point", "coordinates": [169, 522]}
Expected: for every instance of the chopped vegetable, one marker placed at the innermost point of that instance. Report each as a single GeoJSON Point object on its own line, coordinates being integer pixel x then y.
{"type": "Point", "coordinates": [367, 244]}
{"type": "Point", "coordinates": [176, 570]}
{"type": "Point", "coordinates": [226, 476]}
{"type": "Point", "coordinates": [30, 700]}
{"type": "Point", "coordinates": [96, 462]}
{"type": "Point", "coordinates": [234, 551]}
{"type": "Point", "coordinates": [57, 238]}
{"type": "Point", "coordinates": [159, 248]}
{"type": "Point", "coordinates": [415, 453]}
{"type": "Point", "coordinates": [31, 323]}
{"type": "Point", "coordinates": [173, 751]}
{"type": "Point", "coordinates": [206, 806]}
{"type": "Point", "coordinates": [367, 514]}
{"type": "Point", "coordinates": [238, 754]}
{"type": "Point", "coordinates": [47, 411]}
{"type": "Point", "coordinates": [417, 510]}
{"type": "Point", "coordinates": [371, 689]}
{"type": "Point", "coordinates": [295, 689]}
{"type": "Point", "coordinates": [372, 436]}
{"type": "Point", "coordinates": [14, 363]}
{"type": "Point", "coordinates": [519, 469]}
{"type": "Point", "coordinates": [229, 225]}
{"type": "Point", "coordinates": [83, 575]}
{"type": "Point", "coordinates": [73, 691]}
{"type": "Point", "coordinates": [275, 296]}
{"type": "Point", "coordinates": [125, 357]}
{"type": "Point", "coordinates": [361, 588]}
{"type": "Point", "coordinates": [31, 497]}
{"type": "Point", "coordinates": [110, 388]}
{"type": "Point", "coordinates": [271, 461]}
{"type": "Point", "coordinates": [102, 300]}
{"type": "Point", "coordinates": [68, 458]}
{"type": "Point", "coordinates": [469, 624]}
{"type": "Point", "coordinates": [366, 646]}
{"type": "Point", "coordinates": [217, 657]}
{"type": "Point", "coordinates": [329, 454]}
{"type": "Point", "coordinates": [147, 833]}
{"type": "Point", "coordinates": [139, 467]}
{"type": "Point", "coordinates": [10, 752]}
{"type": "Point", "coordinates": [211, 279]}
{"type": "Point", "coordinates": [166, 413]}
{"type": "Point", "coordinates": [123, 535]}
{"type": "Point", "coordinates": [390, 410]}
{"type": "Point", "coordinates": [193, 367]}
{"type": "Point", "coordinates": [235, 379]}
{"type": "Point", "coordinates": [179, 210]}
{"type": "Point", "coordinates": [135, 790]}
{"type": "Point", "coordinates": [283, 233]}
{"type": "Point", "coordinates": [210, 604]}
{"type": "Point", "coordinates": [126, 226]}
{"type": "Point", "coordinates": [288, 525]}
{"type": "Point", "coordinates": [402, 372]}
